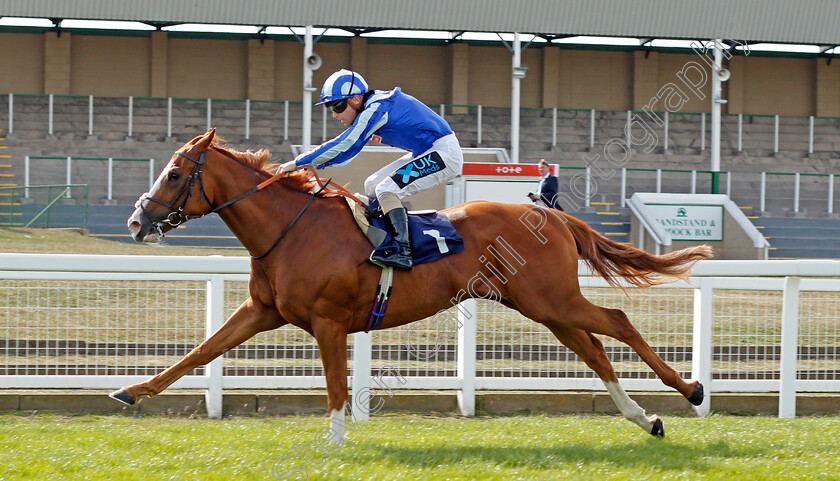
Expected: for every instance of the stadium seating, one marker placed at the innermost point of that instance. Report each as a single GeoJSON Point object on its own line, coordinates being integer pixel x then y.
{"type": "Point", "coordinates": [793, 238]}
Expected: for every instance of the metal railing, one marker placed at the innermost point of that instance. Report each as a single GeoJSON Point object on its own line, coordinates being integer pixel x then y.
{"type": "Point", "coordinates": [44, 206]}
{"type": "Point", "coordinates": [747, 189]}
{"type": "Point", "coordinates": [786, 191]}
{"type": "Point", "coordinates": [109, 166]}
{"type": "Point", "coordinates": [806, 134]}
{"type": "Point", "coordinates": [172, 105]}
{"type": "Point", "coordinates": [100, 322]}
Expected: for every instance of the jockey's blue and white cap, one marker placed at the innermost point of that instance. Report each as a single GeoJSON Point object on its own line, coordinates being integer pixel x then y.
{"type": "Point", "coordinates": [341, 85]}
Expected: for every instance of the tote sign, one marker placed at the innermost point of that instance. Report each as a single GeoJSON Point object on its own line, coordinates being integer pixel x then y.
{"type": "Point", "coordinates": [690, 222]}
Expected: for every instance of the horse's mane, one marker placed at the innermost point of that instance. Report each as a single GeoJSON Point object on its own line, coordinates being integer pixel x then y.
{"type": "Point", "coordinates": [302, 180]}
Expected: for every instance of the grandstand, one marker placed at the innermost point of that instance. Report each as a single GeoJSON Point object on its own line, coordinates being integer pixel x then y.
{"type": "Point", "coordinates": [782, 118]}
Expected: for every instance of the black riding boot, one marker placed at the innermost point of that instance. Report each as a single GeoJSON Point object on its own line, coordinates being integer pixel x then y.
{"type": "Point", "coordinates": [401, 257]}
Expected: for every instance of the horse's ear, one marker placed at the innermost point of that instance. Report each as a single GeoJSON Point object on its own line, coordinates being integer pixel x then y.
{"type": "Point", "coordinates": [205, 140]}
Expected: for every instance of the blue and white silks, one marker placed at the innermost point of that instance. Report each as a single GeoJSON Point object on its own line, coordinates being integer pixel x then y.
{"type": "Point", "coordinates": [398, 119]}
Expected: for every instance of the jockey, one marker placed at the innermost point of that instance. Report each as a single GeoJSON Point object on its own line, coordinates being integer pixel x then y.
{"type": "Point", "coordinates": [392, 118]}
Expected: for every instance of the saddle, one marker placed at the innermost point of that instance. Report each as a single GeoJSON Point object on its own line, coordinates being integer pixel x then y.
{"type": "Point", "coordinates": [432, 235]}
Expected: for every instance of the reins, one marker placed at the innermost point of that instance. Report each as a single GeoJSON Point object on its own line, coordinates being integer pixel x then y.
{"type": "Point", "coordinates": [292, 223]}
{"type": "Point", "coordinates": [339, 190]}
{"type": "Point", "coordinates": [176, 217]}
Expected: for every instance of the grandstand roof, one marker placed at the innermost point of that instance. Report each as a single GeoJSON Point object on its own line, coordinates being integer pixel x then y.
{"type": "Point", "coordinates": [802, 21]}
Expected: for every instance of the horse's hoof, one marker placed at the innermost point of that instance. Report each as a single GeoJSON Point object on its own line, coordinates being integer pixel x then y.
{"type": "Point", "coordinates": [122, 396]}
{"type": "Point", "coordinates": [696, 397]}
{"type": "Point", "coordinates": [658, 429]}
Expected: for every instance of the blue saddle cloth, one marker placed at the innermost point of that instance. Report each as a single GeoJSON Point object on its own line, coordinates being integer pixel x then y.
{"type": "Point", "coordinates": [432, 236]}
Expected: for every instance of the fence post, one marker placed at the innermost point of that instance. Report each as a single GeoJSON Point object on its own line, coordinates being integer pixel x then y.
{"type": "Point", "coordinates": [466, 356]}
{"type": "Point", "coordinates": [775, 133]}
{"type": "Point", "coordinates": [693, 182]}
{"type": "Point", "coordinates": [110, 178]}
{"type": "Point", "coordinates": [286, 120]}
{"type": "Point", "coordinates": [665, 145]}
{"type": "Point", "coordinates": [627, 133]}
{"type": "Point", "coordinates": [762, 192]}
{"type": "Point", "coordinates": [830, 194]}
{"type": "Point", "coordinates": [26, 176]}
{"type": "Point", "coordinates": [69, 168]}
{"type": "Point", "coordinates": [11, 113]}
{"type": "Point", "coordinates": [90, 115]}
{"type": "Point", "coordinates": [151, 173]}
{"type": "Point", "coordinates": [796, 193]}
{"type": "Point", "coordinates": [478, 140]}
{"type": "Point", "coordinates": [442, 111]}
{"type": "Point", "coordinates": [362, 347]}
{"type": "Point", "coordinates": [702, 349]}
{"type": "Point", "coordinates": [790, 331]}
{"type": "Point", "coordinates": [554, 127]}
{"type": "Point", "coordinates": [702, 131]}
{"type": "Point", "coordinates": [623, 186]}
{"type": "Point", "coordinates": [50, 123]}
{"type": "Point", "coordinates": [215, 319]}
{"type": "Point", "coordinates": [169, 117]}
{"type": "Point", "coordinates": [592, 129]}
{"type": "Point", "coordinates": [130, 117]}
{"type": "Point", "coordinates": [811, 134]}
{"type": "Point", "coordinates": [658, 181]}
{"type": "Point", "coordinates": [209, 113]}
{"type": "Point", "coordinates": [587, 191]}
{"type": "Point", "coordinates": [729, 184]}
{"type": "Point", "coordinates": [247, 119]}
{"type": "Point", "coordinates": [740, 132]}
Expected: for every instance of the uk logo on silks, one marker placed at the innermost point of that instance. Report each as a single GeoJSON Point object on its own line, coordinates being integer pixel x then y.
{"type": "Point", "coordinates": [416, 169]}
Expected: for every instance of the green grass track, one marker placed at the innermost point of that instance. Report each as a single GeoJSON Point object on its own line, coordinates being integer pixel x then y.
{"type": "Point", "coordinates": [409, 447]}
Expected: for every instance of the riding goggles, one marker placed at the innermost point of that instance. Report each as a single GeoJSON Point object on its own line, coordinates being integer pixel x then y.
{"type": "Point", "coordinates": [338, 106]}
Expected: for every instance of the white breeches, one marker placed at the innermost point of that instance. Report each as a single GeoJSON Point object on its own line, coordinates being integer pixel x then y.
{"type": "Point", "coordinates": [409, 175]}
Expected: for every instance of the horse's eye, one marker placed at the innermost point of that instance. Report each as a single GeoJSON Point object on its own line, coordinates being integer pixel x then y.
{"type": "Point", "coordinates": [174, 176]}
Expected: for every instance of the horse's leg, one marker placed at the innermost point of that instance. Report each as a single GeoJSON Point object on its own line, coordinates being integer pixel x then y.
{"type": "Point", "coordinates": [332, 342]}
{"type": "Point", "coordinates": [591, 351]}
{"type": "Point", "coordinates": [692, 391]}
{"type": "Point", "coordinates": [248, 320]}
{"type": "Point", "coordinates": [614, 323]}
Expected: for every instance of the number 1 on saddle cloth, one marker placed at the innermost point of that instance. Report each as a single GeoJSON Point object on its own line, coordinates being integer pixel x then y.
{"type": "Point", "coordinates": [432, 235]}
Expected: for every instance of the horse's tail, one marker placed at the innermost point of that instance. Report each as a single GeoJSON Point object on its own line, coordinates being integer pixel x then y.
{"type": "Point", "coordinates": [612, 260]}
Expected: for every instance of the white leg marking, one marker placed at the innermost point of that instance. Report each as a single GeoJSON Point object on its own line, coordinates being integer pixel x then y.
{"type": "Point", "coordinates": [337, 426]}
{"type": "Point", "coordinates": [628, 407]}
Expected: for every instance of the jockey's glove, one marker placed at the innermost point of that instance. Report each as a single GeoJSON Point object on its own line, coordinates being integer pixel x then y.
{"type": "Point", "coordinates": [287, 167]}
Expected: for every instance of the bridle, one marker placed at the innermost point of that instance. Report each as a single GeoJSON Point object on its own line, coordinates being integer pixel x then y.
{"type": "Point", "coordinates": [176, 217]}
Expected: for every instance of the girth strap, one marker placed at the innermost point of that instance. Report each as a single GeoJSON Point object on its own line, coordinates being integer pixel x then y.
{"type": "Point", "coordinates": [380, 300]}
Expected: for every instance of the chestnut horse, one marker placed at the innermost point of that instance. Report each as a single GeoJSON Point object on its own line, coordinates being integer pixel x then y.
{"type": "Point", "coordinates": [317, 278]}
